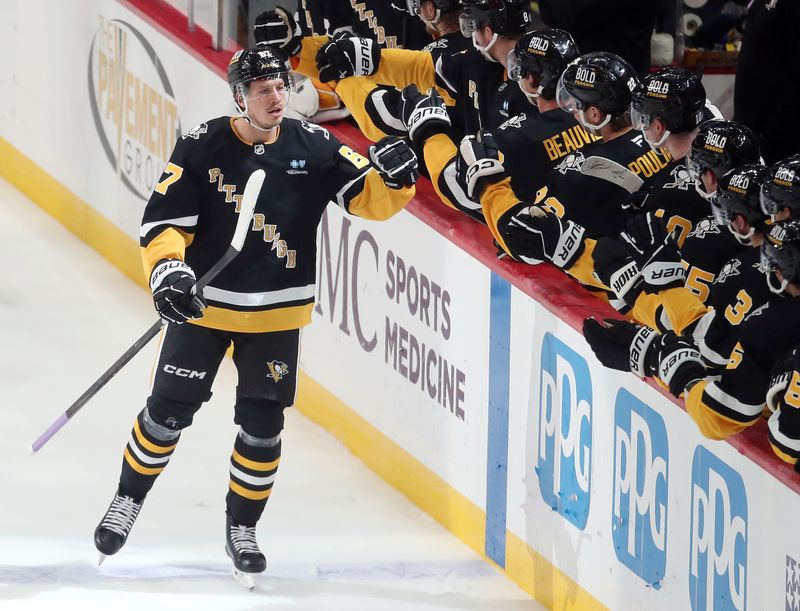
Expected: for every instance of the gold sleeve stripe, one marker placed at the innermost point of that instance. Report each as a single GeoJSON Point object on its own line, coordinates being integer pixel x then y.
{"type": "Point", "coordinates": [376, 201]}
{"type": "Point", "coordinates": [354, 93]}
{"type": "Point", "coordinates": [149, 445]}
{"type": "Point", "coordinates": [399, 67]}
{"type": "Point", "coordinates": [680, 305]}
{"type": "Point", "coordinates": [255, 465]}
{"type": "Point", "coordinates": [169, 244]}
{"type": "Point", "coordinates": [711, 423]}
{"type": "Point", "coordinates": [249, 494]}
{"type": "Point", "coordinates": [139, 468]}
{"type": "Point", "coordinates": [305, 62]}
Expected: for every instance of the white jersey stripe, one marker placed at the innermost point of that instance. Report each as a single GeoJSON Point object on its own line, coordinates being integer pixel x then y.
{"type": "Point", "coordinates": [294, 293]}
{"type": "Point", "coordinates": [183, 221]}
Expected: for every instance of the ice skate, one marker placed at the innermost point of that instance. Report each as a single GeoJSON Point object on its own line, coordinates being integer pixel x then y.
{"type": "Point", "coordinates": [112, 532]}
{"type": "Point", "coordinates": [242, 549]}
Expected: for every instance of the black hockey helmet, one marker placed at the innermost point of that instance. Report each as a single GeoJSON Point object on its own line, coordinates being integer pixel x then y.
{"type": "Point", "coordinates": [739, 192]}
{"type": "Point", "coordinates": [256, 63]}
{"type": "Point", "coordinates": [505, 17]}
{"type": "Point", "coordinates": [782, 188]}
{"type": "Point", "coordinates": [543, 54]}
{"type": "Point", "coordinates": [600, 79]}
{"type": "Point", "coordinates": [674, 95]}
{"type": "Point", "coordinates": [720, 146]}
{"type": "Point", "coordinates": [442, 6]}
{"type": "Point", "coordinates": [780, 251]}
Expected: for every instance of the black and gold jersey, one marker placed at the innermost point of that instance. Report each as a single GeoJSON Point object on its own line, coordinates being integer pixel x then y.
{"type": "Point", "coordinates": [508, 102]}
{"type": "Point", "coordinates": [376, 19]}
{"type": "Point", "coordinates": [533, 143]}
{"type": "Point", "coordinates": [727, 404]}
{"type": "Point", "coordinates": [672, 196]}
{"type": "Point", "coordinates": [594, 203]}
{"type": "Point", "coordinates": [707, 248]}
{"type": "Point", "coordinates": [740, 287]}
{"type": "Point", "coordinates": [191, 215]}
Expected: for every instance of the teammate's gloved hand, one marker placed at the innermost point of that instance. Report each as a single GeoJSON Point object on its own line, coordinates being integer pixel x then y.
{"type": "Point", "coordinates": [172, 283]}
{"type": "Point", "coordinates": [395, 161]}
{"type": "Point", "coordinates": [347, 55]}
{"type": "Point", "coordinates": [478, 163]}
{"type": "Point", "coordinates": [627, 346]}
{"type": "Point", "coordinates": [615, 268]}
{"type": "Point", "coordinates": [655, 252]}
{"type": "Point", "coordinates": [534, 234]}
{"type": "Point", "coordinates": [782, 374]}
{"type": "Point", "coordinates": [423, 114]}
{"type": "Point", "coordinates": [637, 200]}
{"type": "Point", "coordinates": [279, 30]}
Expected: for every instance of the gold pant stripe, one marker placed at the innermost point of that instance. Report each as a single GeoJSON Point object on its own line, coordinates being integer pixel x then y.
{"type": "Point", "coordinates": [139, 468]}
{"type": "Point", "coordinates": [252, 464]}
{"type": "Point", "coordinates": [149, 445]}
{"type": "Point", "coordinates": [250, 494]}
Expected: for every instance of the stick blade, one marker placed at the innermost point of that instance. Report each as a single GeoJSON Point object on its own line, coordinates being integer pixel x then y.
{"type": "Point", "coordinates": [611, 171]}
{"type": "Point", "coordinates": [249, 199]}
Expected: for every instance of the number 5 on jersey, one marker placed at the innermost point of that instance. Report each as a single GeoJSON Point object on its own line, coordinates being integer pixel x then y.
{"type": "Point", "coordinates": [174, 173]}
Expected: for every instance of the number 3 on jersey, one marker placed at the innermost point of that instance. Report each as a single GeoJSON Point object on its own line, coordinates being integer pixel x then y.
{"type": "Point", "coordinates": [174, 173]}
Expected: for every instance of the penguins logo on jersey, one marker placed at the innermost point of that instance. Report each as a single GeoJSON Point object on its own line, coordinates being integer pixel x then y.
{"type": "Point", "coordinates": [196, 132]}
{"type": "Point", "coordinates": [731, 268]}
{"type": "Point", "coordinates": [313, 128]}
{"type": "Point", "coordinates": [573, 161]}
{"type": "Point", "coordinates": [703, 228]}
{"type": "Point", "coordinates": [277, 370]}
{"type": "Point", "coordinates": [680, 179]}
{"type": "Point", "coordinates": [757, 311]}
{"type": "Point", "coordinates": [515, 121]}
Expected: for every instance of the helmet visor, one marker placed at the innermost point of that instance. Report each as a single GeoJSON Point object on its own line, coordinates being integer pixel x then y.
{"type": "Point", "coordinates": [770, 200]}
{"type": "Point", "coordinates": [277, 86]}
{"type": "Point", "coordinates": [566, 101]}
{"type": "Point", "coordinates": [471, 19]}
{"type": "Point", "coordinates": [639, 119]}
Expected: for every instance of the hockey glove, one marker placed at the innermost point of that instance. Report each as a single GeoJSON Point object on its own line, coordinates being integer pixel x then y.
{"type": "Point", "coordinates": [279, 30]}
{"type": "Point", "coordinates": [615, 268]}
{"type": "Point", "coordinates": [347, 55]}
{"type": "Point", "coordinates": [533, 234]}
{"type": "Point", "coordinates": [172, 283]}
{"type": "Point", "coordinates": [627, 346]}
{"type": "Point", "coordinates": [478, 163]}
{"type": "Point", "coordinates": [784, 372]}
{"type": "Point", "coordinates": [395, 162]}
{"type": "Point", "coordinates": [423, 114]}
{"type": "Point", "coordinates": [655, 252]}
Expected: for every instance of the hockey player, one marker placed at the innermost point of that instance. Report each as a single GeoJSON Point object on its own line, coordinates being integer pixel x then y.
{"type": "Point", "coordinates": [259, 302]}
{"type": "Point", "coordinates": [462, 75]}
{"type": "Point", "coordinates": [724, 405]}
{"type": "Point", "coordinates": [718, 148]}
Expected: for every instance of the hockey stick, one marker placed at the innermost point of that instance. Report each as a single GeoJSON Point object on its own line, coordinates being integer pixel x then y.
{"type": "Point", "coordinates": [611, 171]}
{"type": "Point", "coordinates": [251, 191]}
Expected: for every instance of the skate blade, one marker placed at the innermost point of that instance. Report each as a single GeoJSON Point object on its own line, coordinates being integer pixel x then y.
{"type": "Point", "coordinates": [245, 579]}
{"type": "Point", "coordinates": [101, 558]}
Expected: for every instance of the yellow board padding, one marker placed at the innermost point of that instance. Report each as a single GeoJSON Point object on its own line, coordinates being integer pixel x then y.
{"type": "Point", "coordinates": [71, 211]}
{"type": "Point", "coordinates": [532, 571]}
{"type": "Point", "coordinates": [529, 569]}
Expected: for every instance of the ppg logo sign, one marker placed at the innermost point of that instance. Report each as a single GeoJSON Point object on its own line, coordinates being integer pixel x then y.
{"type": "Point", "coordinates": [565, 431]}
{"type": "Point", "coordinates": [641, 456]}
{"type": "Point", "coordinates": [718, 555]}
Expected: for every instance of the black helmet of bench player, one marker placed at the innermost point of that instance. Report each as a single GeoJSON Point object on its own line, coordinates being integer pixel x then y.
{"type": "Point", "coordinates": [739, 193]}
{"type": "Point", "coordinates": [720, 146]}
{"type": "Point", "coordinates": [504, 17]}
{"type": "Point", "coordinates": [676, 96]}
{"type": "Point", "coordinates": [543, 55]}
{"type": "Point", "coordinates": [780, 252]}
{"type": "Point", "coordinates": [601, 79]}
{"type": "Point", "coordinates": [782, 188]}
{"type": "Point", "coordinates": [257, 63]}
{"type": "Point", "coordinates": [441, 6]}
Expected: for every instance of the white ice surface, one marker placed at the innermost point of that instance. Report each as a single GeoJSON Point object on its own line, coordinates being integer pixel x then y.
{"type": "Point", "coordinates": [336, 537]}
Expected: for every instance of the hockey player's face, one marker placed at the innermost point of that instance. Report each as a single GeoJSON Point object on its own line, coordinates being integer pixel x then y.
{"type": "Point", "coordinates": [266, 101]}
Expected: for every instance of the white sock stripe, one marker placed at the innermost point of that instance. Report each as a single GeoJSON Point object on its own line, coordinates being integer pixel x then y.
{"type": "Point", "coordinates": [148, 460]}
{"type": "Point", "coordinates": [252, 479]}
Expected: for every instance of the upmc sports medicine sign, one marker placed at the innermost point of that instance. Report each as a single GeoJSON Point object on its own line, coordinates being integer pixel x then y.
{"type": "Point", "coordinates": [132, 103]}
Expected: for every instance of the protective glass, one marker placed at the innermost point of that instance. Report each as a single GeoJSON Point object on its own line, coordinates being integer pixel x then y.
{"type": "Point", "coordinates": [566, 101]}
